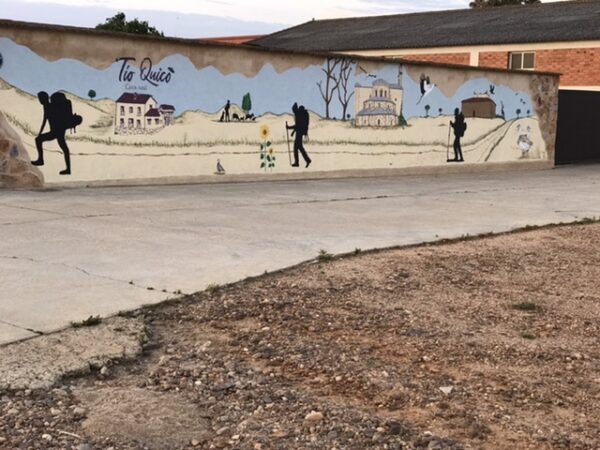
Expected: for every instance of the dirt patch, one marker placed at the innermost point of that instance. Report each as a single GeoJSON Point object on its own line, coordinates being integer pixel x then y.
{"type": "Point", "coordinates": [485, 344]}
{"type": "Point", "coordinates": [158, 420]}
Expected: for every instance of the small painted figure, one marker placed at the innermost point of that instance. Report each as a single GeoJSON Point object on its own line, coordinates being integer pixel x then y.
{"type": "Point", "coordinates": [460, 126]}
{"type": "Point", "coordinates": [426, 87]}
{"type": "Point", "coordinates": [58, 113]}
{"type": "Point", "coordinates": [524, 141]}
{"type": "Point", "coordinates": [300, 129]}
{"type": "Point", "coordinates": [226, 111]}
{"type": "Point", "coordinates": [220, 168]}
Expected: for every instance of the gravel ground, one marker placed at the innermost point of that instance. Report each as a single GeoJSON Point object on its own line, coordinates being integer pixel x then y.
{"type": "Point", "coordinates": [481, 344]}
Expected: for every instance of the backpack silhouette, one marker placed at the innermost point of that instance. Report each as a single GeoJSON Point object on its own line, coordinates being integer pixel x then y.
{"type": "Point", "coordinates": [62, 116]}
{"type": "Point", "coordinates": [463, 128]}
{"type": "Point", "coordinates": [302, 121]}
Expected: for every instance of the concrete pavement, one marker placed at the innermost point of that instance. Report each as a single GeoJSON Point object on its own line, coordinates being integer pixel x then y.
{"type": "Point", "coordinates": [68, 254]}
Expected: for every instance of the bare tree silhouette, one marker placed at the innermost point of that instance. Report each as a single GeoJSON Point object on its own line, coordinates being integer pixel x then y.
{"type": "Point", "coordinates": [331, 83]}
{"type": "Point", "coordinates": [344, 77]}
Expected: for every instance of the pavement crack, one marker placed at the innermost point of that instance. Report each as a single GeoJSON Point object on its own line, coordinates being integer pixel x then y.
{"type": "Point", "coordinates": [58, 214]}
{"type": "Point", "coordinates": [31, 330]}
{"type": "Point", "coordinates": [412, 195]}
{"type": "Point", "coordinates": [34, 209]}
{"type": "Point", "coordinates": [86, 272]}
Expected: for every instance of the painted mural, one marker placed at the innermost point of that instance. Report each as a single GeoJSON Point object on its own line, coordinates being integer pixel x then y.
{"type": "Point", "coordinates": [146, 118]}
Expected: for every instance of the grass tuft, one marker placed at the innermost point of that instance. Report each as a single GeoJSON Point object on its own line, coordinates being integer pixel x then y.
{"type": "Point", "coordinates": [89, 322]}
{"type": "Point", "coordinates": [527, 307]}
{"type": "Point", "coordinates": [528, 336]}
{"type": "Point", "coordinates": [212, 287]}
{"type": "Point", "coordinates": [324, 256]}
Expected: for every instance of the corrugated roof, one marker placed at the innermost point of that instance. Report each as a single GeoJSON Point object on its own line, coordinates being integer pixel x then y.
{"type": "Point", "coordinates": [574, 20]}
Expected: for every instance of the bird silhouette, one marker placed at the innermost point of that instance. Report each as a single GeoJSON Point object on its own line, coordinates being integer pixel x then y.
{"type": "Point", "coordinates": [426, 86]}
{"type": "Point", "coordinates": [220, 168]}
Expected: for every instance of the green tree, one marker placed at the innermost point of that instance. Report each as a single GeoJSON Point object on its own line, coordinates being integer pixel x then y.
{"type": "Point", "coordinates": [488, 3]}
{"type": "Point", "coordinates": [119, 23]}
{"type": "Point", "coordinates": [427, 108]}
{"type": "Point", "coordinates": [92, 94]}
{"type": "Point", "coordinates": [518, 113]}
{"type": "Point", "coordinates": [247, 103]}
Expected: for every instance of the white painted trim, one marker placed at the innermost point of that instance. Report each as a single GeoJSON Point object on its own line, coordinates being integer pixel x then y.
{"type": "Point", "coordinates": [581, 88]}
{"type": "Point", "coordinates": [474, 59]}
{"type": "Point", "coordinates": [477, 48]}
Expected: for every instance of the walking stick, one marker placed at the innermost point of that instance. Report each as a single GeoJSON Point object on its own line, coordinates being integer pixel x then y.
{"type": "Point", "coordinates": [448, 146]}
{"type": "Point", "coordinates": [287, 132]}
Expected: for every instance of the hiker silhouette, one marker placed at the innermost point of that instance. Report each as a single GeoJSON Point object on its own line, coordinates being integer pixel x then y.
{"type": "Point", "coordinates": [460, 126]}
{"type": "Point", "coordinates": [227, 106]}
{"type": "Point", "coordinates": [300, 129]}
{"type": "Point", "coordinates": [58, 113]}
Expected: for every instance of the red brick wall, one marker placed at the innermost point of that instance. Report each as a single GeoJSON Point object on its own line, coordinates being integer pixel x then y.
{"type": "Point", "coordinates": [578, 66]}
{"type": "Point", "coordinates": [498, 60]}
{"type": "Point", "coordinates": [444, 58]}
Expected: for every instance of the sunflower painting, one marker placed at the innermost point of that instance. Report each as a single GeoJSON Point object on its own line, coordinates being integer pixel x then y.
{"type": "Point", "coordinates": [267, 154]}
{"type": "Point", "coordinates": [264, 132]}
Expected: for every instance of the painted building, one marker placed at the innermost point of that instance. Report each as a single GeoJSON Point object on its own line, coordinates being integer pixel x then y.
{"type": "Point", "coordinates": [481, 106]}
{"type": "Point", "coordinates": [561, 37]}
{"type": "Point", "coordinates": [168, 113]}
{"type": "Point", "coordinates": [138, 113]}
{"type": "Point", "coordinates": [135, 112]}
{"type": "Point", "coordinates": [379, 105]}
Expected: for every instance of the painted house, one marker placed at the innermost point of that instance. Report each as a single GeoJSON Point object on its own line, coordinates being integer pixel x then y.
{"type": "Point", "coordinates": [139, 113]}
{"type": "Point", "coordinates": [561, 37]}
{"type": "Point", "coordinates": [378, 105]}
{"type": "Point", "coordinates": [168, 113]}
{"type": "Point", "coordinates": [480, 106]}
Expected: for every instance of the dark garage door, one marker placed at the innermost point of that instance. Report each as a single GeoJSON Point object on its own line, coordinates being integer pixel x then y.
{"type": "Point", "coordinates": [578, 130]}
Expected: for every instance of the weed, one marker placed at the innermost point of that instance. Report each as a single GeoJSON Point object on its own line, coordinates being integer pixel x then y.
{"type": "Point", "coordinates": [531, 227]}
{"type": "Point", "coordinates": [324, 256]}
{"type": "Point", "coordinates": [357, 251]}
{"type": "Point", "coordinates": [529, 336]}
{"type": "Point", "coordinates": [527, 306]}
{"type": "Point", "coordinates": [212, 287]}
{"type": "Point", "coordinates": [143, 337]}
{"type": "Point", "coordinates": [89, 322]}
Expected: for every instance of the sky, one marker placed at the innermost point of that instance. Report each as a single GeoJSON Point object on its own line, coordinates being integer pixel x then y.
{"type": "Point", "coordinates": [210, 18]}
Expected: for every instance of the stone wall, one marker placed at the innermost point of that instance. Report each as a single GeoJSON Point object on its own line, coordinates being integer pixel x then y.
{"type": "Point", "coordinates": [16, 170]}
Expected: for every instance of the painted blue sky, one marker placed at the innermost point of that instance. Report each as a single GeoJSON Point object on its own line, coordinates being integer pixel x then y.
{"type": "Point", "coordinates": [208, 90]}
{"type": "Point", "coordinates": [414, 106]}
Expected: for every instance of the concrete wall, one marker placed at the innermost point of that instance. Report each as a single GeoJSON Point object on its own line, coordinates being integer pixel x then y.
{"type": "Point", "coordinates": [95, 70]}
